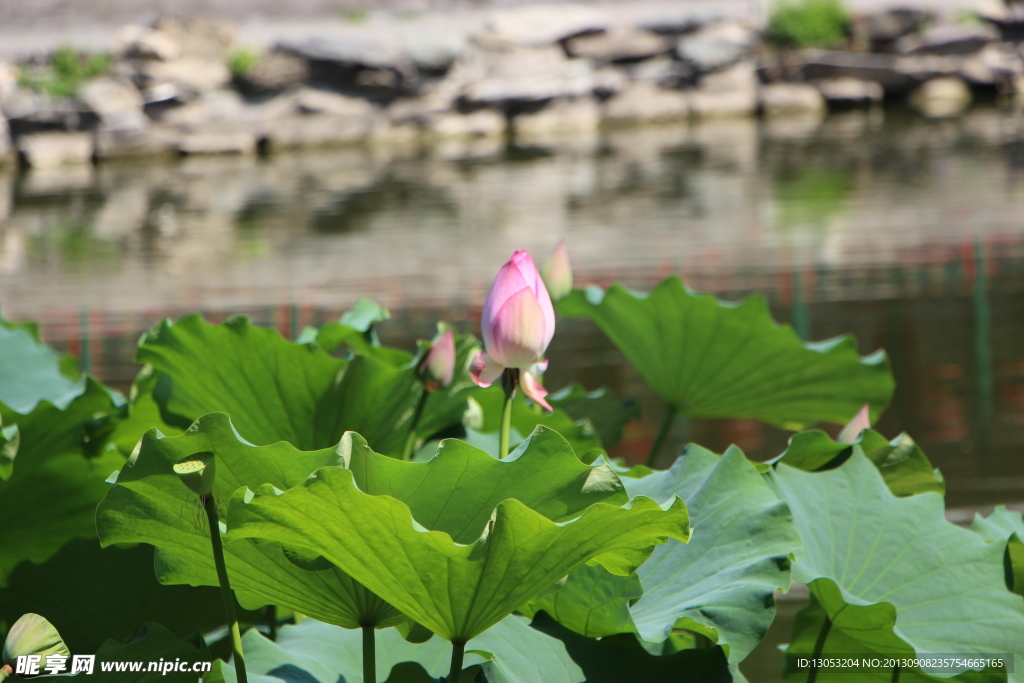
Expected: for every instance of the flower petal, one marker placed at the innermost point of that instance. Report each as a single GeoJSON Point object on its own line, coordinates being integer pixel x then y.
{"type": "Point", "coordinates": [485, 370]}
{"type": "Point", "coordinates": [534, 390]}
{"type": "Point", "coordinates": [519, 331]}
{"type": "Point", "coordinates": [508, 283]}
{"type": "Point", "coordinates": [860, 422]}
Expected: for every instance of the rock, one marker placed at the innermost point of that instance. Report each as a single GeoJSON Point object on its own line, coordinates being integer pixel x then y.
{"type": "Point", "coordinates": [276, 71]}
{"type": "Point", "coordinates": [6, 146]}
{"type": "Point", "coordinates": [541, 25]}
{"type": "Point", "coordinates": [215, 106]}
{"type": "Point", "coordinates": [849, 91]}
{"type": "Point", "coordinates": [221, 142]}
{"type": "Point", "coordinates": [947, 40]}
{"type": "Point", "coordinates": [317, 130]}
{"type": "Point", "coordinates": [47, 150]}
{"type": "Point", "coordinates": [142, 42]}
{"type": "Point", "coordinates": [191, 75]}
{"type": "Point", "coordinates": [481, 123]}
{"type": "Point", "coordinates": [198, 37]}
{"type": "Point", "coordinates": [618, 45]}
{"type": "Point", "coordinates": [582, 114]}
{"type": "Point", "coordinates": [881, 69]}
{"type": "Point", "coordinates": [882, 29]}
{"type": "Point", "coordinates": [732, 92]}
{"type": "Point", "coordinates": [666, 72]}
{"type": "Point", "coordinates": [717, 46]}
{"type": "Point", "coordinates": [117, 102]}
{"type": "Point", "coordinates": [941, 97]}
{"type": "Point", "coordinates": [522, 75]}
{"type": "Point", "coordinates": [154, 140]}
{"type": "Point", "coordinates": [29, 112]}
{"type": "Point", "coordinates": [992, 66]}
{"type": "Point", "coordinates": [677, 18]}
{"type": "Point", "coordinates": [644, 101]}
{"type": "Point", "coordinates": [315, 101]}
{"type": "Point", "coordinates": [790, 98]}
{"type": "Point", "coordinates": [8, 80]}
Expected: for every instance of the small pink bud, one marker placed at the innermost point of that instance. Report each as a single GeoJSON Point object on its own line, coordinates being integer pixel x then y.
{"type": "Point", "coordinates": [860, 422]}
{"type": "Point", "coordinates": [438, 365]}
{"type": "Point", "coordinates": [558, 272]}
{"type": "Point", "coordinates": [518, 320]}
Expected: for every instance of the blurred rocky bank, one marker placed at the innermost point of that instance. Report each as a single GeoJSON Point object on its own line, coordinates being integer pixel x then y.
{"type": "Point", "coordinates": [186, 85]}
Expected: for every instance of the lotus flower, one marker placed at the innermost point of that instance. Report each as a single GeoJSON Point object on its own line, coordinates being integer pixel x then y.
{"type": "Point", "coordinates": [438, 365]}
{"type": "Point", "coordinates": [518, 323]}
{"type": "Point", "coordinates": [860, 422]}
{"type": "Point", "coordinates": [558, 273]}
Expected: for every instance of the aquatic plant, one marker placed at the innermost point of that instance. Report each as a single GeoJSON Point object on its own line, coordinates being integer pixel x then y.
{"type": "Point", "coordinates": [364, 496]}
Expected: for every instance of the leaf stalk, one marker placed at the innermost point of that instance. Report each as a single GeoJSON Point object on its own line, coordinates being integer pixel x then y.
{"type": "Point", "coordinates": [458, 653]}
{"type": "Point", "coordinates": [225, 586]}
{"type": "Point", "coordinates": [659, 442]}
{"type": "Point", "coordinates": [369, 654]}
{"type": "Point", "coordinates": [410, 440]}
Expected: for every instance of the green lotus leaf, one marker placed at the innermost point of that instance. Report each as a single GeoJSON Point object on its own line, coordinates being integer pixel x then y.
{"type": "Point", "coordinates": [63, 460]}
{"type": "Point", "coordinates": [623, 658]}
{"type": "Point", "coordinates": [606, 412]}
{"type": "Point", "coordinates": [154, 644]}
{"type": "Point", "coordinates": [274, 389]}
{"type": "Point", "coordinates": [149, 504]}
{"type": "Point", "coordinates": [91, 594]}
{"type": "Point", "coordinates": [411, 558]}
{"type": "Point", "coordinates": [1005, 525]}
{"type": "Point", "coordinates": [143, 412]}
{"type": "Point", "coordinates": [725, 578]}
{"type": "Point", "coordinates": [720, 584]}
{"type": "Point", "coordinates": [10, 437]}
{"type": "Point", "coordinates": [592, 602]}
{"type": "Point", "coordinates": [891, 573]}
{"type": "Point", "coordinates": [508, 652]}
{"type": "Point", "coordinates": [841, 642]}
{"type": "Point", "coordinates": [31, 634]}
{"type": "Point", "coordinates": [713, 359]}
{"type": "Point", "coordinates": [903, 464]}
{"type": "Point", "coordinates": [33, 372]}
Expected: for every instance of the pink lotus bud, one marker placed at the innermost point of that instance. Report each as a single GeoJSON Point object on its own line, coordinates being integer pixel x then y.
{"type": "Point", "coordinates": [518, 320]}
{"type": "Point", "coordinates": [860, 422]}
{"type": "Point", "coordinates": [438, 365]}
{"type": "Point", "coordinates": [558, 272]}
{"type": "Point", "coordinates": [518, 323]}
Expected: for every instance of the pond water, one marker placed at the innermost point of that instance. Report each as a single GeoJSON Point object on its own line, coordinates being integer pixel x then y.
{"type": "Point", "coordinates": [907, 232]}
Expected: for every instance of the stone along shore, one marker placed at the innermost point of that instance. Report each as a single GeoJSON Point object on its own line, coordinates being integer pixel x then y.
{"type": "Point", "coordinates": [185, 86]}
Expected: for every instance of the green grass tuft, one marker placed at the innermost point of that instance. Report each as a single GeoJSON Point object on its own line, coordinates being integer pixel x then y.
{"type": "Point", "coordinates": [809, 23]}
{"type": "Point", "coordinates": [67, 70]}
{"type": "Point", "coordinates": [242, 61]}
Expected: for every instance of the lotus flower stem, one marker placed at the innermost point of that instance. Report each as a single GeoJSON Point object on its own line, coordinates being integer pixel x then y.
{"type": "Point", "coordinates": [410, 439]}
{"type": "Point", "coordinates": [369, 654]}
{"type": "Point", "coordinates": [509, 380]}
{"type": "Point", "coordinates": [458, 652]}
{"type": "Point", "coordinates": [659, 442]}
{"type": "Point", "coordinates": [225, 586]}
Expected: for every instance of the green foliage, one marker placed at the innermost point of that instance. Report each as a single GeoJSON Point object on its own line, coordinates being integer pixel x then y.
{"type": "Point", "coordinates": [808, 23]}
{"type": "Point", "coordinates": [242, 61]}
{"type": "Point", "coordinates": [510, 652]}
{"type": "Point", "coordinates": [466, 571]}
{"type": "Point", "coordinates": [903, 465]}
{"type": "Point", "coordinates": [891, 574]}
{"type": "Point", "coordinates": [67, 70]}
{"type": "Point", "coordinates": [714, 359]}
{"type": "Point", "coordinates": [323, 520]}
